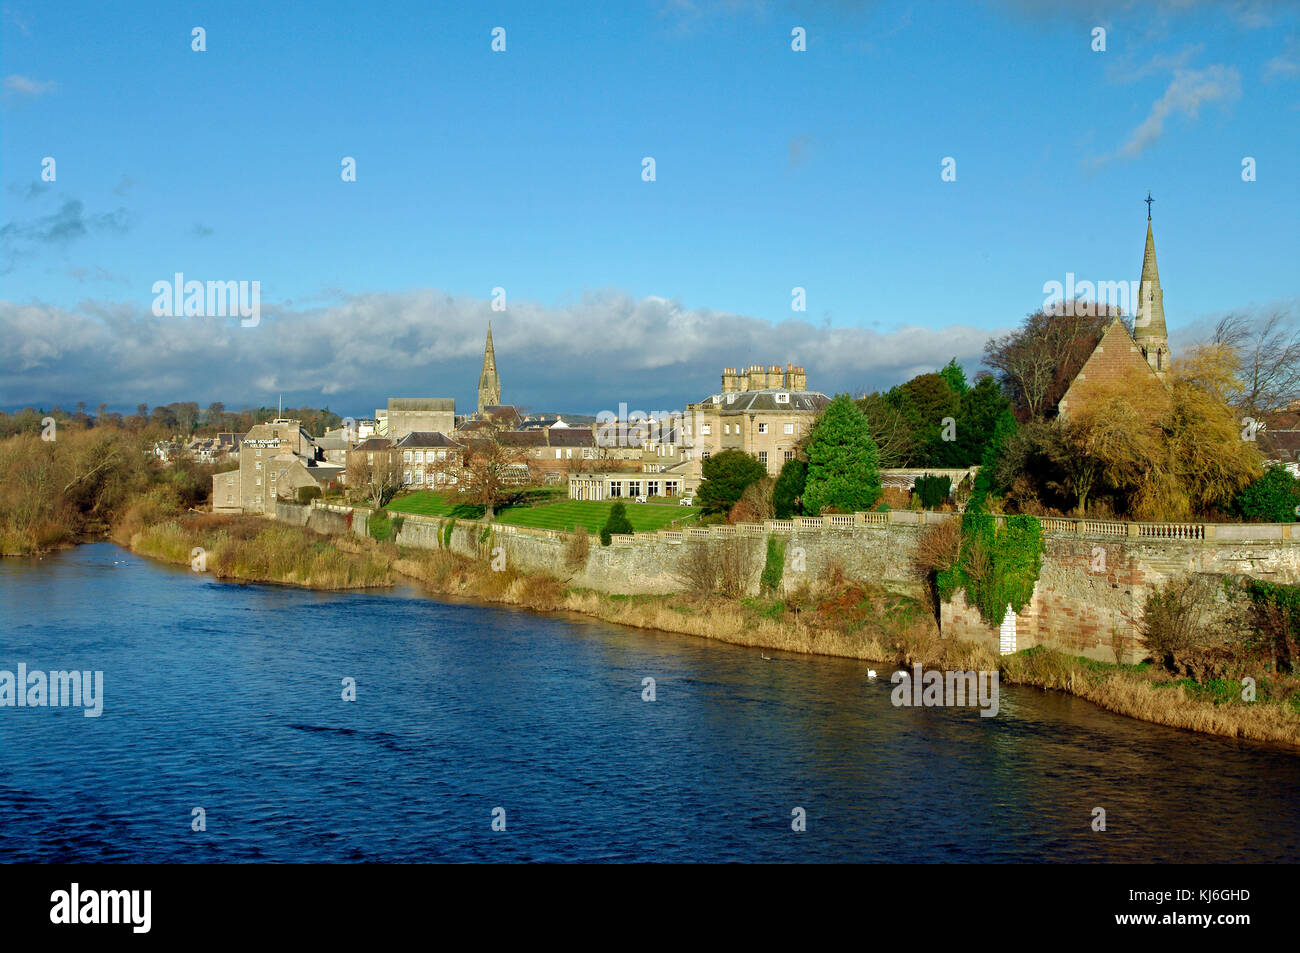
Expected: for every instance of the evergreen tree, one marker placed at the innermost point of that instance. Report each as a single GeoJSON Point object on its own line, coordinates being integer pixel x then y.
{"type": "Point", "coordinates": [726, 475]}
{"type": "Point", "coordinates": [955, 376]}
{"type": "Point", "coordinates": [986, 480]}
{"type": "Point", "coordinates": [789, 488]}
{"type": "Point", "coordinates": [843, 464]}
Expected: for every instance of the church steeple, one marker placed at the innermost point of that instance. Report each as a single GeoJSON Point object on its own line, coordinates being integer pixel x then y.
{"type": "Point", "coordinates": [1149, 324]}
{"type": "Point", "coordinates": [489, 385]}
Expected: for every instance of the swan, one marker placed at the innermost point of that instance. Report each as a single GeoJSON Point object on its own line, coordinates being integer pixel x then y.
{"type": "Point", "coordinates": [871, 673]}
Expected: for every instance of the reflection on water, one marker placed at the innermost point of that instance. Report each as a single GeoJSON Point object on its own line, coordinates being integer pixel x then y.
{"type": "Point", "coordinates": [228, 698]}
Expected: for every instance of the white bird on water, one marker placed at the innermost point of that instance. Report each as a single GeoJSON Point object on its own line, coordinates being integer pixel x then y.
{"type": "Point", "coordinates": [871, 673]}
{"type": "Point", "coordinates": [765, 658]}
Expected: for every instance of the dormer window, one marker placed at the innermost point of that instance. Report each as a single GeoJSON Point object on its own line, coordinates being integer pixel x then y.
{"type": "Point", "coordinates": [783, 398]}
{"type": "Point", "coordinates": [731, 398]}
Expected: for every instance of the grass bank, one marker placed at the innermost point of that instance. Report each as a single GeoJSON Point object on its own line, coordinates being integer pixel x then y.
{"type": "Point", "coordinates": [251, 549]}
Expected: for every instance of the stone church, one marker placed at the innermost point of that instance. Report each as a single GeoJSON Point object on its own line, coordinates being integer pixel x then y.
{"type": "Point", "coordinates": [1120, 358]}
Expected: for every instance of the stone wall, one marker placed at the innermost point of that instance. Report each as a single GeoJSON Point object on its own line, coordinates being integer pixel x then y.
{"type": "Point", "coordinates": [1094, 581]}
{"type": "Point", "coordinates": [1091, 591]}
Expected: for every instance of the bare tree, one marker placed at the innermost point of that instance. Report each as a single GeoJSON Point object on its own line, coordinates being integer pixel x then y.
{"type": "Point", "coordinates": [376, 474]}
{"type": "Point", "coordinates": [489, 471]}
{"type": "Point", "coordinates": [1269, 351]}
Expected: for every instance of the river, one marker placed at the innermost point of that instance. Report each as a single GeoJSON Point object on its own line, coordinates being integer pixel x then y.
{"type": "Point", "coordinates": [229, 698]}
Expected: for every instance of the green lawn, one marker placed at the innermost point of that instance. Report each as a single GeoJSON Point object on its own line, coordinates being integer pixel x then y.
{"type": "Point", "coordinates": [570, 514]}
{"type": "Point", "coordinates": [563, 514]}
{"type": "Point", "coordinates": [428, 503]}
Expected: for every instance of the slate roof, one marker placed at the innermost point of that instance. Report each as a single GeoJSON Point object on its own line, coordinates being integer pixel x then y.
{"type": "Point", "coordinates": [759, 401]}
{"type": "Point", "coordinates": [424, 438]}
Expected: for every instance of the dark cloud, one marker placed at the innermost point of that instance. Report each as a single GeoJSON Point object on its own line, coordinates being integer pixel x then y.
{"type": "Point", "coordinates": [19, 239]}
{"type": "Point", "coordinates": [356, 352]}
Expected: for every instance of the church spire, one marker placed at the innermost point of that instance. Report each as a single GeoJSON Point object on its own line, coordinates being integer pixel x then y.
{"type": "Point", "coordinates": [489, 384]}
{"type": "Point", "coordinates": [1149, 324]}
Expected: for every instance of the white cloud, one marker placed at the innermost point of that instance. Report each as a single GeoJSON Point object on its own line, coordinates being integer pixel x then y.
{"type": "Point", "coordinates": [1186, 93]}
{"type": "Point", "coordinates": [354, 353]}
{"type": "Point", "coordinates": [26, 86]}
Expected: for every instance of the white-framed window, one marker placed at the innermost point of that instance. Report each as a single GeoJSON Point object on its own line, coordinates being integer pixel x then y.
{"type": "Point", "coordinates": [615, 488]}
{"type": "Point", "coordinates": [783, 398]}
{"type": "Point", "coordinates": [419, 456]}
{"type": "Point", "coordinates": [652, 488]}
{"type": "Point", "coordinates": [706, 430]}
{"type": "Point", "coordinates": [442, 454]}
{"type": "Point", "coordinates": [762, 457]}
{"type": "Point", "coordinates": [670, 488]}
{"type": "Point", "coordinates": [406, 477]}
{"type": "Point", "coordinates": [789, 455]}
{"type": "Point", "coordinates": [726, 430]}
{"type": "Point", "coordinates": [558, 454]}
{"type": "Point", "coordinates": [258, 465]}
{"type": "Point", "coordinates": [230, 498]}
{"type": "Point", "coordinates": [762, 428]}
{"type": "Point", "coordinates": [634, 488]}
{"type": "Point", "coordinates": [259, 482]}
{"type": "Point", "coordinates": [731, 398]}
{"type": "Point", "coordinates": [789, 428]}
{"type": "Point", "coordinates": [406, 456]}
{"type": "Point", "coordinates": [419, 476]}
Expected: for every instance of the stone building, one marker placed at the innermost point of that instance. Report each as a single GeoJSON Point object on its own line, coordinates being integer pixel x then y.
{"type": "Point", "coordinates": [752, 415]}
{"type": "Point", "coordinates": [428, 459]}
{"type": "Point", "coordinates": [275, 459]}
{"type": "Point", "coordinates": [1120, 359]}
{"type": "Point", "coordinates": [419, 415]}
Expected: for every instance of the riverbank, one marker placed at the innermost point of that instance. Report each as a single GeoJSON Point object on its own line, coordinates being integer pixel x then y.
{"type": "Point", "coordinates": [840, 617]}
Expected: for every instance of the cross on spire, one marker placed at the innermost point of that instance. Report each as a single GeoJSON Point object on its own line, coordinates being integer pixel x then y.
{"type": "Point", "coordinates": [1148, 200]}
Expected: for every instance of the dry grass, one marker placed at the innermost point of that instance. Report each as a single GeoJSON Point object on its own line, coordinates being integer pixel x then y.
{"type": "Point", "coordinates": [253, 550]}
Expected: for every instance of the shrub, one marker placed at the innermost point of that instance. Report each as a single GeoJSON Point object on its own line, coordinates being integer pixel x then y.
{"type": "Point", "coordinates": [397, 525]}
{"type": "Point", "coordinates": [1173, 618]}
{"type": "Point", "coordinates": [755, 504]}
{"type": "Point", "coordinates": [933, 491]}
{"type": "Point", "coordinates": [446, 533]}
{"type": "Point", "coordinates": [726, 475]}
{"type": "Point", "coordinates": [774, 567]}
{"type": "Point", "coordinates": [1272, 498]}
{"type": "Point", "coordinates": [616, 522]}
{"type": "Point", "coordinates": [308, 493]}
{"type": "Point", "coordinates": [996, 569]}
{"type": "Point", "coordinates": [577, 548]}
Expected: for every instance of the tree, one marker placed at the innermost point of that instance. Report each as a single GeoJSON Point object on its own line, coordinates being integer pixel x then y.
{"type": "Point", "coordinates": [895, 440]}
{"type": "Point", "coordinates": [981, 408]}
{"type": "Point", "coordinates": [489, 470]}
{"type": "Point", "coordinates": [955, 376]}
{"type": "Point", "coordinates": [755, 504]}
{"type": "Point", "coordinates": [987, 479]}
{"type": "Point", "coordinates": [789, 489]}
{"type": "Point", "coordinates": [843, 463]}
{"type": "Point", "coordinates": [1272, 498]}
{"type": "Point", "coordinates": [615, 523]}
{"type": "Point", "coordinates": [1036, 364]}
{"type": "Point", "coordinates": [927, 402]}
{"type": "Point", "coordinates": [726, 474]}
{"type": "Point", "coordinates": [376, 474]}
{"type": "Point", "coordinates": [1268, 356]}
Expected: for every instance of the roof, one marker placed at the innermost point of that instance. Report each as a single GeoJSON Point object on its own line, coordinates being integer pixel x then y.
{"type": "Point", "coordinates": [1116, 359]}
{"type": "Point", "coordinates": [570, 437]}
{"type": "Point", "coordinates": [759, 401]}
{"type": "Point", "coordinates": [425, 438]}
{"type": "Point", "coordinates": [1280, 445]}
{"type": "Point", "coordinates": [374, 443]}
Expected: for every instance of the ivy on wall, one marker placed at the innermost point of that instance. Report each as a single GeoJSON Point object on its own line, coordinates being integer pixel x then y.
{"type": "Point", "coordinates": [996, 568]}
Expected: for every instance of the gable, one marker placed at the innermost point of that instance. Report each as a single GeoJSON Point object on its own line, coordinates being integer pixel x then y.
{"type": "Point", "coordinates": [1114, 361]}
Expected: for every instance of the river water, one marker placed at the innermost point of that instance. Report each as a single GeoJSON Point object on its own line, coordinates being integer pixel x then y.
{"type": "Point", "coordinates": [229, 698]}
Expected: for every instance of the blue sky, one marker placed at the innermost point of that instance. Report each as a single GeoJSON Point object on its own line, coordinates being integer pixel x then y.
{"type": "Point", "coordinates": [522, 169]}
